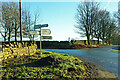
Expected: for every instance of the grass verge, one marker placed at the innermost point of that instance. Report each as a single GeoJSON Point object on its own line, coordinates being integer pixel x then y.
{"type": "Point", "coordinates": [49, 65]}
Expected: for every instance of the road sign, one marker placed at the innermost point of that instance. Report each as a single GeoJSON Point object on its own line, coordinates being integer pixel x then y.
{"type": "Point", "coordinates": [25, 36]}
{"type": "Point", "coordinates": [46, 37]}
{"type": "Point", "coordinates": [41, 25]}
{"type": "Point", "coordinates": [46, 31]}
{"type": "Point", "coordinates": [34, 32]}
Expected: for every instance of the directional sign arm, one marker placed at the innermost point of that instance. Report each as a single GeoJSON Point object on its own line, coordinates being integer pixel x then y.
{"type": "Point", "coordinates": [34, 32]}
{"type": "Point", "coordinates": [46, 31]}
{"type": "Point", "coordinates": [39, 26]}
{"type": "Point", "coordinates": [46, 37]}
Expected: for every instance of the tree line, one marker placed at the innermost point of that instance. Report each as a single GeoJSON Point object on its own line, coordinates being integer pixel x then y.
{"type": "Point", "coordinates": [10, 20]}
{"type": "Point", "coordinates": [93, 22]}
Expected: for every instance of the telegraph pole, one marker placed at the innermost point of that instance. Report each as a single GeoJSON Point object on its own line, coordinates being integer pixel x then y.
{"type": "Point", "coordinates": [20, 21]}
{"type": "Point", "coordinates": [119, 13]}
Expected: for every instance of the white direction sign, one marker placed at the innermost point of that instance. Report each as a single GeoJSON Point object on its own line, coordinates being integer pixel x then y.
{"type": "Point", "coordinates": [25, 36]}
{"type": "Point", "coordinates": [46, 31]}
{"type": "Point", "coordinates": [43, 31]}
{"type": "Point", "coordinates": [46, 37]}
{"type": "Point", "coordinates": [34, 32]}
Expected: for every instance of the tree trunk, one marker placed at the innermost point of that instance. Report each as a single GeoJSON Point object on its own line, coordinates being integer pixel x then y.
{"type": "Point", "coordinates": [15, 35]}
{"type": "Point", "coordinates": [103, 42]}
{"type": "Point", "coordinates": [85, 42]}
{"type": "Point", "coordinates": [110, 41]}
{"type": "Point", "coordinates": [88, 42]}
{"type": "Point", "coordinates": [29, 31]}
{"type": "Point", "coordinates": [9, 36]}
{"type": "Point", "coordinates": [88, 39]}
{"type": "Point", "coordinates": [4, 39]}
{"type": "Point", "coordinates": [98, 40]}
{"type": "Point", "coordinates": [94, 42]}
{"type": "Point", "coordinates": [15, 32]}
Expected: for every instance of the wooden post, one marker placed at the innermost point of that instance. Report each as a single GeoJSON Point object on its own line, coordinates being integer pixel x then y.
{"type": "Point", "coordinates": [40, 42]}
{"type": "Point", "coordinates": [20, 21]}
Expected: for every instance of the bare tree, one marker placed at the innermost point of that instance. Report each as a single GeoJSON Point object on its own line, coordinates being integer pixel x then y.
{"type": "Point", "coordinates": [96, 24]}
{"type": "Point", "coordinates": [85, 19]}
{"type": "Point", "coordinates": [111, 30]}
{"type": "Point", "coordinates": [27, 22]}
{"type": "Point", "coordinates": [104, 26]}
{"type": "Point", "coordinates": [4, 23]}
{"type": "Point", "coordinates": [30, 20]}
{"type": "Point", "coordinates": [16, 20]}
{"type": "Point", "coordinates": [9, 19]}
{"type": "Point", "coordinates": [10, 22]}
{"type": "Point", "coordinates": [105, 17]}
{"type": "Point", "coordinates": [36, 17]}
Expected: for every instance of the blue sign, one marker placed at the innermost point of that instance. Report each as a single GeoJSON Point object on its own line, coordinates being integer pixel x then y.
{"type": "Point", "coordinates": [41, 25]}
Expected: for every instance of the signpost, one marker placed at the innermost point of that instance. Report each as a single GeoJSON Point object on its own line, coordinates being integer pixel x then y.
{"type": "Point", "coordinates": [39, 27]}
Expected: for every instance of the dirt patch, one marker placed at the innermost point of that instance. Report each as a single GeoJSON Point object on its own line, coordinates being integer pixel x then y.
{"type": "Point", "coordinates": [105, 74]}
{"type": "Point", "coordinates": [46, 61]}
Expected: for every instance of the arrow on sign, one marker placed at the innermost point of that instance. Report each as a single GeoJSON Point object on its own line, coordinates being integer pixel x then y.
{"type": "Point", "coordinates": [41, 25]}
{"type": "Point", "coordinates": [46, 37]}
{"type": "Point", "coordinates": [46, 31]}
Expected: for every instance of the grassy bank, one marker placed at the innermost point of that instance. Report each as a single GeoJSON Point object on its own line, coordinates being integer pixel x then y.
{"type": "Point", "coordinates": [49, 65]}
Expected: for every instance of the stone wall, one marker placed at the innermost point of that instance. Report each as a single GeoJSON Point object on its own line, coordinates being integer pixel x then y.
{"type": "Point", "coordinates": [17, 50]}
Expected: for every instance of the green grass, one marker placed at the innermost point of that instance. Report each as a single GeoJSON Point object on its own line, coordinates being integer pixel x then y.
{"type": "Point", "coordinates": [48, 65]}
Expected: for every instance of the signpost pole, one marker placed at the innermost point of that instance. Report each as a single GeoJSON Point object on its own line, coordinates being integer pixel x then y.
{"type": "Point", "coordinates": [37, 33]}
{"type": "Point", "coordinates": [40, 42]}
